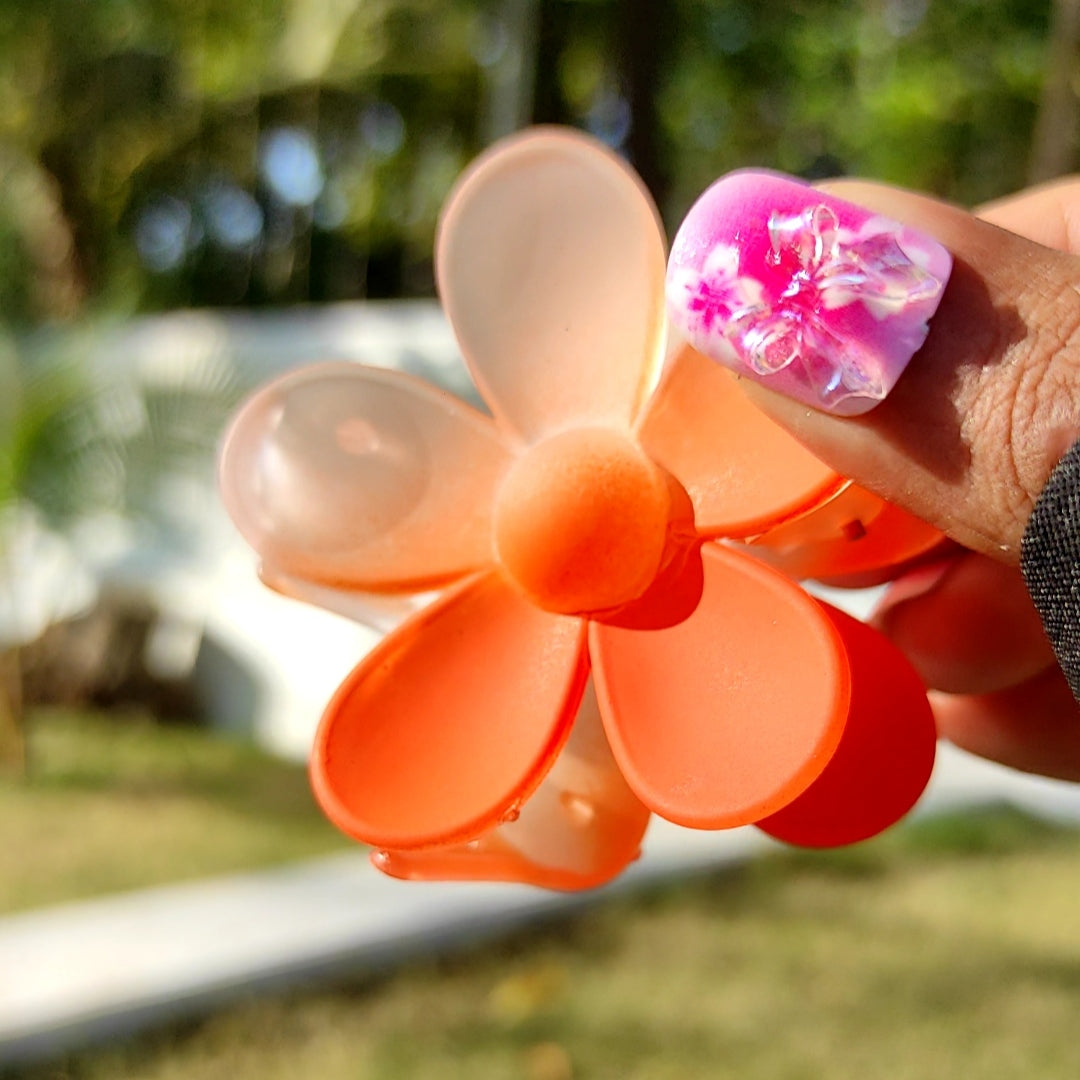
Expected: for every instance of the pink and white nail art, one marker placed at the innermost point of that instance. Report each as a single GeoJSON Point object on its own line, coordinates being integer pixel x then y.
{"type": "Point", "coordinates": [810, 295]}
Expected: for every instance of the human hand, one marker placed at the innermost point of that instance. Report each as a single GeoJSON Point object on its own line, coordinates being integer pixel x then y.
{"type": "Point", "coordinates": [967, 440]}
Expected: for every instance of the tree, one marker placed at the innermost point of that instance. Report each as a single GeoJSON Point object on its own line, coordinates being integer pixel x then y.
{"type": "Point", "coordinates": [122, 110]}
{"type": "Point", "coordinates": [36, 470]}
{"type": "Point", "coordinates": [1053, 145]}
{"type": "Point", "coordinates": [78, 443]}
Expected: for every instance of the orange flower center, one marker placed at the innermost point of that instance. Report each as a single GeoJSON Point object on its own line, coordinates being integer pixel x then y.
{"type": "Point", "coordinates": [581, 521]}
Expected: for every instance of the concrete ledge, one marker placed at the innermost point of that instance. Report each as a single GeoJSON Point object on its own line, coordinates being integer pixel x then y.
{"type": "Point", "coordinates": [88, 972]}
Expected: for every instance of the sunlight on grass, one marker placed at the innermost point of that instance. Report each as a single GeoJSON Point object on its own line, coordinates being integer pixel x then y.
{"type": "Point", "coordinates": [115, 803]}
{"type": "Point", "coordinates": [950, 948]}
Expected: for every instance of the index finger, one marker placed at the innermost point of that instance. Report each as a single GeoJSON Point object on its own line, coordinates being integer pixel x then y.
{"type": "Point", "coordinates": [976, 423]}
{"type": "Point", "coordinates": [1048, 214]}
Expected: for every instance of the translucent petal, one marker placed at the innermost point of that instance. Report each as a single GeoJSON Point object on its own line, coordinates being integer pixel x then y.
{"type": "Point", "coordinates": [855, 533]}
{"type": "Point", "coordinates": [452, 721]}
{"type": "Point", "coordinates": [551, 268]}
{"type": "Point", "coordinates": [580, 828]}
{"type": "Point", "coordinates": [728, 716]}
{"type": "Point", "coordinates": [884, 759]}
{"type": "Point", "coordinates": [743, 472]}
{"type": "Point", "coordinates": [362, 478]}
{"type": "Point", "coordinates": [383, 612]}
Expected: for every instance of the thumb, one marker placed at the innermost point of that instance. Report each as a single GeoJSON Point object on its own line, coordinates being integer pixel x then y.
{"type": "Point", "coordinates": [972, 429]}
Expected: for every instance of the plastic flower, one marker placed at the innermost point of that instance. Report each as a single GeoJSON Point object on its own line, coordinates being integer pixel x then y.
{"type": "Point", "coordinates": [596, 653]}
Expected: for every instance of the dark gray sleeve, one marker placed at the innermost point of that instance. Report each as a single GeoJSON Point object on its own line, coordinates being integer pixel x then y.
{"type": "Point", "coordinates": [1050, 562]}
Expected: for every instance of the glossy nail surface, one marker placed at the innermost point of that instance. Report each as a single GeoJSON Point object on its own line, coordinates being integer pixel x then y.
{"type": "Point", "coordinates": [808, 294]}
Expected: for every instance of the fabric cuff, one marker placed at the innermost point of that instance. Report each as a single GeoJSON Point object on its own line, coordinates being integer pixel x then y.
{"type": "Point", "coordinates": [1050, 563]}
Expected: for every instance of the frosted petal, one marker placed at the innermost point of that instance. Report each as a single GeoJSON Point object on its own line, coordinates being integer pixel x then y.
{"type": "Point", "coordinates": [580, 828]}
{"type": "Point", "coordinates": [851, 535]}
{"type": "Point", "coordinates": [363, 478]}
{"type": "Point", "coordinates": [885, 756]}
{"type": "Point", "coordinates": [730, 714]}
{"type": "Point", "coordinates": [452, 721]}
{"type": "Point", "coordinates": [742, 471]}
{"type": "Point", "coordinates": [551, 268]}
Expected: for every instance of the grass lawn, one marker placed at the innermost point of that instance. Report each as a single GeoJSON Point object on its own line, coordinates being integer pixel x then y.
{"type": "Point", "coordinates": [115, 803]}
{"type": "Point", "coordinates": [947, 949]}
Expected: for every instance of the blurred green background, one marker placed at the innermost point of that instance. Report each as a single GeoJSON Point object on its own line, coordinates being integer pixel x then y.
{"type": "Point", "coordinates": [163, 153]}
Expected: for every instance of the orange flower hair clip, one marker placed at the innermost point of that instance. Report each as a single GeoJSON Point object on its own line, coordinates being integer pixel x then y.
{"type": "Point", "coordinates": [609, 640]}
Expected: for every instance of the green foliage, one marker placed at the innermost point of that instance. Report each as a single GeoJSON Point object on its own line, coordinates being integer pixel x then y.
{"type": "Point", "coordinates": [134, 134]}
{"type": "Point", "coordinates": [990, 831]}
{"type": "Point", "coordinates": [41, 462]}
{"type": "Point", "coordinates": [935, 95]}
{"type": "Point", "coordinates": [122, 111]}
{"type": "Point", "coordinates": [77, 442]}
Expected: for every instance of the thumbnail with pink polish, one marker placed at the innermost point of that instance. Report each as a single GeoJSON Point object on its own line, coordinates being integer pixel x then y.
{"type": "Point", "coordinates": [808, 294]}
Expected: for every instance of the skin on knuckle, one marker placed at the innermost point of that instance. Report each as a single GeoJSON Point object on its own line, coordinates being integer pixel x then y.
{"type": "Point", "coordinates": [998, 497]}
{"type": "Point", "coordinates": [1024, 410]}
{"type": "Point", "coordinates": [1046, 406]}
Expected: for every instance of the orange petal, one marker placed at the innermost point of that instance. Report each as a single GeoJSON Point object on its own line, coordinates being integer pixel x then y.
{"type": "Point", "coordinates": [451, 723]}
{"type": "Point", "coordinates": [852, 535]}
{"type": "Point", "coordinates": [884, 759]}
{"type": "Point", "coordinates": [580, 828]}
{"type": "Point", "coordinates": [362, 478]}
{"type": "Point", "coordinates": [550, 261]}
{"type": "Point", "coordinates": [728, 716]}
{"type": "Point", "coordinates": [743, 472]}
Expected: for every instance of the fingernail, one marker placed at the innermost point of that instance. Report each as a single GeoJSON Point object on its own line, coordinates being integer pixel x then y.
{"type": "Point", "coordinates": [808, 294]}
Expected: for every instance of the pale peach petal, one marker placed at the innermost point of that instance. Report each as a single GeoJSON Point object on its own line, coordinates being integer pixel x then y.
{"type": "Point", "coordinates": [450, 724]}
{"type": "Point", "coordinates": [381, 611]}
{"type": "Point", "coordinates": [729, 715]}
{"type": "Point", "coordinates": [550, 262]}
{"type": "Point", "coordinates": [363, 478]}
{"type": "Point", "coordinates": [743, 473]}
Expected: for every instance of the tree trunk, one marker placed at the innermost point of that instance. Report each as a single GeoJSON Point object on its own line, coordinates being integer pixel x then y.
{"type": "Point", "coordinates": [548, 104]}
{"type": "Point", "coordinates": [13, 753]}
{"type": "Point", "coordinates": [644, 29]}
{"type": "Point", "coordinates": [59, 162]}
{"type": "Point", "coordinates": [511, 81]}
{"type": "Point", "coordinates": [1053, 146]}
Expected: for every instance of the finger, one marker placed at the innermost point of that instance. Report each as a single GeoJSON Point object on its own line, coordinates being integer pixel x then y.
{"type": "Point", "coordinates": [967, 625]}
{"type": "Point", "coordinates": [1034, 727]}
{"type": "Point", "coordinates": [974, 426]}
{"type": "Point", "coordinates": [1048, 214]}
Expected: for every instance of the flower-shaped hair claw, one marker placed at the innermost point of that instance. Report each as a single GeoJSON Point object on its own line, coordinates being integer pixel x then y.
{"type": "Point", "coordinates": [596, 653]}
